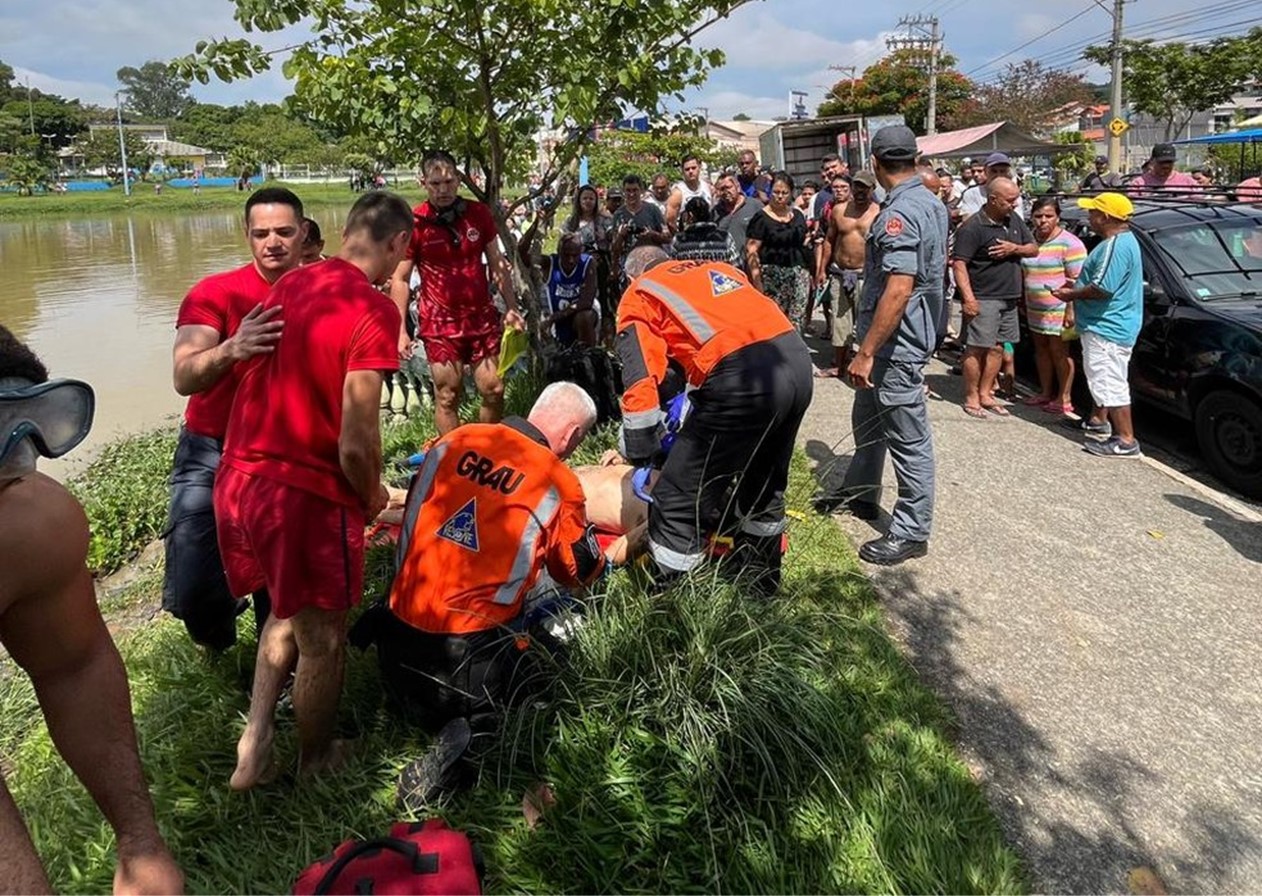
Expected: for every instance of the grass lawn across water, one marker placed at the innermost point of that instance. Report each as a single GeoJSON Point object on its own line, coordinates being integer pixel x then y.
{"type": "Point", "coordinates": [698, 742]}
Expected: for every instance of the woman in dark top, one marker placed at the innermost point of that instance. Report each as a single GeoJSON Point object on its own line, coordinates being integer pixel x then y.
{"type": "Point", "coordinates": [594, 227]}
{"type": "Point", "coordinates": [775, 251]}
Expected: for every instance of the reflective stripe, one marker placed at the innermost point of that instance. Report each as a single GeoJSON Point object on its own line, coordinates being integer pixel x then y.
{"type": "Point", "coordinates": [416, 497]}
{"type": "Point", "coordinates": [524, 562]}
{"type": "Point", "coordinates": [762, 528]}
{"type": "Point", "coordinates": [674, 560]}
{"type": "Point", "coordinates": [683, 308]}
{"type": "Point", "coordinates": [642, 419]}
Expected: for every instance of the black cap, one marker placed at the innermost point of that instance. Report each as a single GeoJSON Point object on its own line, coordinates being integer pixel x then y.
{"type": "Point", "coordinates": [1163, 152]}
{"type": "Point", "coordinates": [895, 142]}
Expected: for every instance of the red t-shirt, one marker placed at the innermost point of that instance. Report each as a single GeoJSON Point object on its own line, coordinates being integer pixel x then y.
{"type": "Point", "coordinates": [450, 260]}
{"type": "Point", "coordinates": [287, 417]}
{"type": "Point", "coordinates": [219, 301]}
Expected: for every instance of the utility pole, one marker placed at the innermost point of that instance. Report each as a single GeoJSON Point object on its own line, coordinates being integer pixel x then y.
{"type": "Point", "coordinates": [924, 36]}
{"type": "Point", "coordinates": [853, 70]}
{"type": "Point", "coordinates": [1116, 109]}
{"type": "Point", "coordinates": [122, 145]}
{"type": "Point", "coordinates": [30, 105]}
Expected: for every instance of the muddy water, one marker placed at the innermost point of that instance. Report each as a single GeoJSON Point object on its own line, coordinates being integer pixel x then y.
{"type": "Point", "coordinates": [97, 298]}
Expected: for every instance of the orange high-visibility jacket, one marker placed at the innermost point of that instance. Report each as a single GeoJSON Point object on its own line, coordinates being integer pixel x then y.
{"type": "Point", "coordinates": [490, 506]}
{"type": "Point", "coordinates": [695, 313]}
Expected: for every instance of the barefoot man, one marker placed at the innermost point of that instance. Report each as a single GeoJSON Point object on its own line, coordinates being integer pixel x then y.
{"type": "Point", "coordinates": [301, 476]}
{"type": "Point", "coordinates": [842, 267]}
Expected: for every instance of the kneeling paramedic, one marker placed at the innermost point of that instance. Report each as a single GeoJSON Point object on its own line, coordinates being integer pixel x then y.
{"type": "Point", "coordinates": [491, 506]}
{"type": "Point", "coordinates": [749, 379]}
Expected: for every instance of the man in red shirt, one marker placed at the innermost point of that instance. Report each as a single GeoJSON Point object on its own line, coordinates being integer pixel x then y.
{"type": "Point", "coordinates": [301, 476]}
{"type": "Point", "coordinates": [459, 324]}
{"type": "Point", "coordinates": [220, 324]}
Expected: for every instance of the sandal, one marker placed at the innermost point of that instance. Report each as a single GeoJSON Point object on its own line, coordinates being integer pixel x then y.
{"type": "Point", "coordinates": [1036, 401]}
{"type": "Point", "coordinates": [978, 413]}
{"type": "Point", "coordinates": [1055, 407]}
{"type": "Point", "coordinates": [997, 409]}
{"type": "Point", "coordinates": [827, 374]}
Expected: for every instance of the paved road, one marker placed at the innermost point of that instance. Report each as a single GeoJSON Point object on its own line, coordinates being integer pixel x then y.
{"type": "Point", "coordinates": [1096, 626]}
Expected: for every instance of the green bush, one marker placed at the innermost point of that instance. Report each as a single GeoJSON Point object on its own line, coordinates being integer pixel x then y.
{"type": "Point", "coordinates": [124, 491]}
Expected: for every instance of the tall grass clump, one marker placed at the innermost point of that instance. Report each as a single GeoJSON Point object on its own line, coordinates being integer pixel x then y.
{"type": "Point", "coordinates": [124, 492]}
{"type": "Point", "coordinates": [699, 741]}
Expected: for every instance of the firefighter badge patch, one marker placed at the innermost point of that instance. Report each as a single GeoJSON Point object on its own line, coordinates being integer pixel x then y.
{"type": "Point", "coordinates": [462, 528]}
{"type": "Point", "coordinates": [721, 283]}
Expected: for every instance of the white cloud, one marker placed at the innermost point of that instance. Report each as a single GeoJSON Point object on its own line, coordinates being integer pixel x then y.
{"type": "Point", "coordinates": [763, 41]}
{"type": "Point", "coordinates": [724, 104]}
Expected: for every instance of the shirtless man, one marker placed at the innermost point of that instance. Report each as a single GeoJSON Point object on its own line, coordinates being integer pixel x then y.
{"type": "Point", "coordinates": [842, 262]}
{"type": "Point", "coordinates": [52, 628]}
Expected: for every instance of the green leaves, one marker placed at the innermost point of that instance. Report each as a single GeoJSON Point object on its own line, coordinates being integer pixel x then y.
{"type": "Point", "coordinates": [1172, 81]}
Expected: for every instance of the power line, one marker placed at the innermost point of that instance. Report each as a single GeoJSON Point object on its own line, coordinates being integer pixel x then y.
{"type": "Point", "coordinates": [1071, 57]}
{"type": "Point", "coordinates": [1036, 39]}
{"type": "Point", "coordinates": [1150, 29]}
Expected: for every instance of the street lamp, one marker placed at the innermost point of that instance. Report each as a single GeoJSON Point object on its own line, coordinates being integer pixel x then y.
{"type": "Point", "coordinates": [122, 146]}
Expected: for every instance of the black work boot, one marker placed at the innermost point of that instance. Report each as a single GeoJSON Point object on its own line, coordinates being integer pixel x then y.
{"type": "Point", "coordinates": [439, 771]}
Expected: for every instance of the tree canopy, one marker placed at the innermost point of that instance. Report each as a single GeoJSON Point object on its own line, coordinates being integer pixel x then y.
{"type": "Point", "coordinates": [619, 153]}
{"type": "Point", "coordinates": [480, 78]}
{"type": "Point", "coordinates": [898, 84]}
{"type": "Point", "coordinates": [1028, 94]}
{"type": "Point", "coordinates": [1173, 81]}
{"type": "Point", "coordinates": [154, 90]}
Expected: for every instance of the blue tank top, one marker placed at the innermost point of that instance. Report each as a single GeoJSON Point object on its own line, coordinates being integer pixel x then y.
{"type": "Point", "coordinates": [564, 290]}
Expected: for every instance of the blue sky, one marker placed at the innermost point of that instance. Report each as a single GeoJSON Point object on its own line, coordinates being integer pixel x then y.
{"type": "Point", "coordinates": [73, 47]}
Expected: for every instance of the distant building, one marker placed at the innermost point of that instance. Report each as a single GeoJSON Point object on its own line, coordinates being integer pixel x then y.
{"type": "Point", "coordinates": [166, 152]}
{"type": "Point", "coordinates": [737, 135]}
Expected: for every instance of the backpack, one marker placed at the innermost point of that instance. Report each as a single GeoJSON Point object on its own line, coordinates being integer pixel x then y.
{"type": "Point", "coordinates": [423, 857]}
{"type": "Point", "coordinates": [595, 371]}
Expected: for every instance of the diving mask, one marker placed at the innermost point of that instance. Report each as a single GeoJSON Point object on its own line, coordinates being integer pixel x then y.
{"type": "Point", "coordinates": [49, 418]}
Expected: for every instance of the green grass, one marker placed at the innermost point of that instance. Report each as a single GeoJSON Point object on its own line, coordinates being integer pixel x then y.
{"type": "Point", "coordinates": [697, 742]}
{"type": "Point", "coordinates": [143, 199]}
{"type": "Point", "coordinates": [124, 491]}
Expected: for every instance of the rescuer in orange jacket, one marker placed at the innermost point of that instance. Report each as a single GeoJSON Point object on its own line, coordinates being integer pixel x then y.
{"type": "Point", "coordinates": [749, 373]}
{"type": "Point", "coordinates": [491, 506]}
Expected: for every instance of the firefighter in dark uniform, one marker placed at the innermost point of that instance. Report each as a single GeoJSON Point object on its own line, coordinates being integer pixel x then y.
{"type": "Point", "coordinates": [897, 323]}
{"type": "Point", "coordinates": [749, 375]}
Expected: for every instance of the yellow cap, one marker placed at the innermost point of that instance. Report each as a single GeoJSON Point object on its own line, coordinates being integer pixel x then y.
{"type": "Point", "coordinates": [1115, 205]}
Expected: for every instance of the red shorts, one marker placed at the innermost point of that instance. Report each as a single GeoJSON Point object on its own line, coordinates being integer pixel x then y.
{"type": "Point", "coordinates": [468, 338]}
{"type": "Point", "coordinates": [308, 551]}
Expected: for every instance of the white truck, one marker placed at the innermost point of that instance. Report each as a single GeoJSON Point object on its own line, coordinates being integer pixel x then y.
{"type": "Point", "coordinates": [798, 146]}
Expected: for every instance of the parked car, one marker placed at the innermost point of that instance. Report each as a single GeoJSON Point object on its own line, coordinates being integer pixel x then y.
{"type": "Point", "coordinates": [1199, 354]}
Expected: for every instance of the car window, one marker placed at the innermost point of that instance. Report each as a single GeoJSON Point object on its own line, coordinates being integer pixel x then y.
{"type": "Point", "coordinates": [1217, 259]}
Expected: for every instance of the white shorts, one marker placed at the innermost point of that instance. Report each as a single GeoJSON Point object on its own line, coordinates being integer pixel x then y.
{"type": "Point", "coordinates": [1106, 363]}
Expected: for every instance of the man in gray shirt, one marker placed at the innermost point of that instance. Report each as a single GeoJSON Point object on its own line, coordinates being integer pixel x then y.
{"type": "Point", "coordinates": [734, 211]}
{"type": "Point", "coordinates": [899, 313]}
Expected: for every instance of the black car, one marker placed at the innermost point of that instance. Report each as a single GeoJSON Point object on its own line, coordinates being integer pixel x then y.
{"type": "Point", "coordinates": [1199, 354]}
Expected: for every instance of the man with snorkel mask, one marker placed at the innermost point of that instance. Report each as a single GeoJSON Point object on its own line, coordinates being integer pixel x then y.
{"type": "Point", "coordinates": [50, 624]}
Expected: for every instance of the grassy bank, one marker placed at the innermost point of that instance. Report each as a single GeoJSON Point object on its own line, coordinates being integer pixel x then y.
{"type": "Point", "coordinates": [699, 742]}
{"type": "Point", "coordinates": [171, 201]}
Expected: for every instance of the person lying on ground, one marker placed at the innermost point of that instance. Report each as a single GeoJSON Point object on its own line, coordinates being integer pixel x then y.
{"type": "Point", "coordinates": [490, 508]}
{"type": "Point", "coordinates": [50, 624]}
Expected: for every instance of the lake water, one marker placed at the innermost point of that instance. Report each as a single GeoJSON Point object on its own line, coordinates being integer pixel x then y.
{"type": "Point", "coordinates": [96, 299]}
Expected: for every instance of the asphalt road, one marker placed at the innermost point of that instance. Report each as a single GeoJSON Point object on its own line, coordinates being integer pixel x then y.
{"type": "Point", "coordinates": [1094, 624]}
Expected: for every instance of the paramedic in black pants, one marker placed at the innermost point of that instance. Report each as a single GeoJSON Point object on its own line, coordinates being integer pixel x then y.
{"type": "Point", "coordinates": [750, 374]}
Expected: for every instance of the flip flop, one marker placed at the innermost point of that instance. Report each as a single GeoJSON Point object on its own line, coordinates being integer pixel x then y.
{"type": "Point", "coordinates": [997, 409]}
{"type": "Point", "coordinates": [977, 413]}
{"type": "Point", "coordinates": [827, 374]}
{"type": "Point", "coordinates": [1036, 401]}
